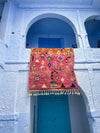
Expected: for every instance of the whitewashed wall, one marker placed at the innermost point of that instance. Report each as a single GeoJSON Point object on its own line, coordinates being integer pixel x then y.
{"type": "Point", "coordinates": [15, 107]}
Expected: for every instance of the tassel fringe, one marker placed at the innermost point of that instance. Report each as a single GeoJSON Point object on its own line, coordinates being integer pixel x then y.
{"type": "Point", "coordinates": [46, 92]}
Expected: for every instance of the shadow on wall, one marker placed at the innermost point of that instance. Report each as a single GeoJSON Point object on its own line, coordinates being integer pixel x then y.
{"type": "Point", "coordinates": [78, 116]}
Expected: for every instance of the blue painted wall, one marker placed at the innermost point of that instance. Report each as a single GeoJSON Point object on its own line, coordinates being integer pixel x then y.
{"type": "Point", "coordinates": [16, 108]}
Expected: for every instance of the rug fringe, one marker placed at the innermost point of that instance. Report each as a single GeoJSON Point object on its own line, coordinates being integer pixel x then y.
{"type": "Point", "coordinates": [61, 92]}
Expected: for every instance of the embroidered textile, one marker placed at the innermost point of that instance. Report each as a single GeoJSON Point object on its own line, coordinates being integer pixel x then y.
{"type": "Point", "coordinates": [52, 71]}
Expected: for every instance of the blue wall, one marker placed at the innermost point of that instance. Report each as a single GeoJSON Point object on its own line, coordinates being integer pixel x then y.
{"type": "Point", "coordinates": [16, 108]}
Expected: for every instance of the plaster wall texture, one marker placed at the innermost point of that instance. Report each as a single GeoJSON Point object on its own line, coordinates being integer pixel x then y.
{"type": "Point", "coordinates": [15, 106]}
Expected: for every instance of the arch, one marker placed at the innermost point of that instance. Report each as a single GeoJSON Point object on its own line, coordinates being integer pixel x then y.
{"type": "Point", "coordinates": [91, 25]}
{"type": "Point", "coordinates": [59, 18]}
{"type": "Point", "coordinates": [51, 15]}
{"type": "Point", "coordinates": [92, 17]}
{"type": "Point", "coordinates": [79, 105]}
{"type": "Point", "coordinates": [78, 117]}
{"type": "Point", "coordinates": [84, 98]}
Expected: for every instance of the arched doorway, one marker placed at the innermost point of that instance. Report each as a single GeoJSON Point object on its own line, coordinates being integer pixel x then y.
{"type": "Point", "coordinates": [78, 105]}
{"type": "Point", "coordinates": [53, 113]}
{"type": "Point", "coordinates": [51, 30]}
{"type": "Point", "coordinates": [92, 25]}
{"type": "Point", "coordinates": [72, 106]}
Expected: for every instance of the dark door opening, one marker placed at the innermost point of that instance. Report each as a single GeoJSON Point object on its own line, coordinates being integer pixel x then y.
{"type": "Point", "coordinates": [50, 42]}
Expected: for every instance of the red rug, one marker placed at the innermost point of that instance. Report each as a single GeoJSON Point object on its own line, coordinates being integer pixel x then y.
{"type": "Point", "coordinates": [52, 72]}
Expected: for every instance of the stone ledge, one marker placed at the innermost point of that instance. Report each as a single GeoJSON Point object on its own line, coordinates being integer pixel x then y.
{"type": "Point", "coordinates": [78, 61]}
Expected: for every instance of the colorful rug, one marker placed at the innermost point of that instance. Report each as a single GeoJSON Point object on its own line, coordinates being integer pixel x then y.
{"type": "Point", "coordinates": [52, 72]}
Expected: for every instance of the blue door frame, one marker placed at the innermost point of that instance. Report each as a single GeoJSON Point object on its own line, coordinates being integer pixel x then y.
{"type": "Point", "coordinates": [53, 111]}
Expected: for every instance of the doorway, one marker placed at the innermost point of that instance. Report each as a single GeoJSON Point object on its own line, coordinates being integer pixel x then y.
{"type": "Point", "coordinates": [53, 114]}
{"type": "Point", "coordinates": [51, 42]}
{"type": "Point", "coordinates": [52, 111]}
